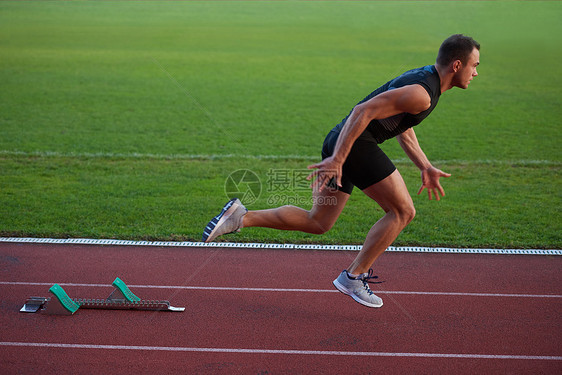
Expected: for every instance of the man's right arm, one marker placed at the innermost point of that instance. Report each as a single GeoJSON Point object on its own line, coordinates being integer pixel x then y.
{"type": "Point", "coordinates": [411, 99]}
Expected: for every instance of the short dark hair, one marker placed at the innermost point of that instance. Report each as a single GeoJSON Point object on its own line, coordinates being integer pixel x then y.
{"type": "Point", "coordinates": [456, 47]}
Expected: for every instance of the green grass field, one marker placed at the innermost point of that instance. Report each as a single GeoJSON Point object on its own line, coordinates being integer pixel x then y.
{"type": "Point", "coordinates": [124, 119]}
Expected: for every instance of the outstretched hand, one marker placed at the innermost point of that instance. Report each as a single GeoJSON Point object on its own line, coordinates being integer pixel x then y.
{"type": "Point", "coordinates": [430, 180]}
{"type": "Point", "coordinates": [325, 171]}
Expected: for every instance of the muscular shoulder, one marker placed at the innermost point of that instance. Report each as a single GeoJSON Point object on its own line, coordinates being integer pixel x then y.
{"type": "Point", "coordinates": [426, 76]}
{"type": "Point", "coordinates": [412, 99]}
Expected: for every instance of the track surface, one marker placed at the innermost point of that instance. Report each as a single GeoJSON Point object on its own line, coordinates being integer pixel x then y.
{"type": "Point", "coordinates": [276, 312]}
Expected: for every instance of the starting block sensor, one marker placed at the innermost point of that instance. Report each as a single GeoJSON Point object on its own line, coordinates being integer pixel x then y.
{"type": "Point", "coordinates": [120, 299]}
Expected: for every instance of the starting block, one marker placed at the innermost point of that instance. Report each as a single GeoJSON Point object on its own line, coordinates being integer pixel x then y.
{"type": "Point", "coordinates": [120, 299]}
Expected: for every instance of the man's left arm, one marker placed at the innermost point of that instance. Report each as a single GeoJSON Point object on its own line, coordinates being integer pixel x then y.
{"type": "Point", "coordinates": [429, 174]}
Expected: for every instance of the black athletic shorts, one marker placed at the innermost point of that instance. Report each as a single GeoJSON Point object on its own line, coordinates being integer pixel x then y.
{"type": "Point", "coordinates": [365, 165]}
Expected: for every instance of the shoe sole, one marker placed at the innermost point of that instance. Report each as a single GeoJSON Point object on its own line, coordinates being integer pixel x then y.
{"type": "Point", "coordinates": [347, 292]}
{"type": "Point", "coordinates": [229, 211]}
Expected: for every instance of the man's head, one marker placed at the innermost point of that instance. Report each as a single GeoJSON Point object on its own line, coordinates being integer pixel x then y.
{"type": "Point", "coordinates": [461, 55]}
{"type": "Point", "coordinates": [456, 47]}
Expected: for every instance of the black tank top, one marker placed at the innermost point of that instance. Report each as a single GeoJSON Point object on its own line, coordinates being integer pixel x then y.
{"type": "Point", "coordinates": [390, 127]}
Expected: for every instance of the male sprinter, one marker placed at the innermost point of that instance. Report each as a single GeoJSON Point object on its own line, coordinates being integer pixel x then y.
{"type": "Point", "coordinates": [352, 157]}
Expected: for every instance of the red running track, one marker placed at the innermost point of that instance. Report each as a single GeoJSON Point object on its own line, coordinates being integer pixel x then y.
{"type": "Point", "coordinates": [276, 312]}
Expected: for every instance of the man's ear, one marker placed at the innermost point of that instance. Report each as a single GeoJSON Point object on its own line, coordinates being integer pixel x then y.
{"type": "Point", "coordinates": [457, 65]}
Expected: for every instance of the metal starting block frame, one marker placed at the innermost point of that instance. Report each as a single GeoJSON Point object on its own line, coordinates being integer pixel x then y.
{"type": "Point", "coordinates": [120, 299]}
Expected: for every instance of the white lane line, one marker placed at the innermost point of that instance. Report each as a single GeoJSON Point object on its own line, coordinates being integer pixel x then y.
{"type": "Point", "coordinates": [290, 290]}
{"type": "Point", "coordinates": [277, 351]}
{"type": "Point", "coordinates": [297, 157]}
{"type": "Point", "coordinates": [274, 246]}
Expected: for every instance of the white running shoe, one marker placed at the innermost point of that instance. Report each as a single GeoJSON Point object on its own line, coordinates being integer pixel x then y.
{"type": "Point", "coordinates": [228, 220]}
{"type": "Point", "coordinates": [358, 288]}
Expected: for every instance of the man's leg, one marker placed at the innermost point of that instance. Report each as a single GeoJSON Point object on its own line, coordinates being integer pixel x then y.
{"type": "Point", "coordinates": [327, 206]}
{"type": "Point", "coordinates": [392, 195]}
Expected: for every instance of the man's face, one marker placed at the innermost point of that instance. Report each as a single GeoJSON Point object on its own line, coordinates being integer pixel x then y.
{"type": "Point", "coordinates": [468, 71]}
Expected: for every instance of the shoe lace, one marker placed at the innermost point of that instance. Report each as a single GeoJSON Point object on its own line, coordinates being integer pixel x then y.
{"type": "Point", "coordinates": [366, 281]}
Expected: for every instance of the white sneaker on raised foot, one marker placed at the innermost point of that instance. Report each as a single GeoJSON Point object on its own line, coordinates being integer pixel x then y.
{"type": "Point", "coordinates": [228, 220]}
{"type": "Point", "coordinates": [358, 288]}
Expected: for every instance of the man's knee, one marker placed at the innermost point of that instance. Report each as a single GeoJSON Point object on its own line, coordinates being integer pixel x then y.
{"type": "Point", "coordinates": [406, 213]}
{"type": "Point", "coordinates": [320, 226]}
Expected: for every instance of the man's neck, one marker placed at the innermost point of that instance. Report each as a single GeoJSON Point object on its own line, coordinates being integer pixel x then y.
{"type": "Point", "coordinates": [445, 77]}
